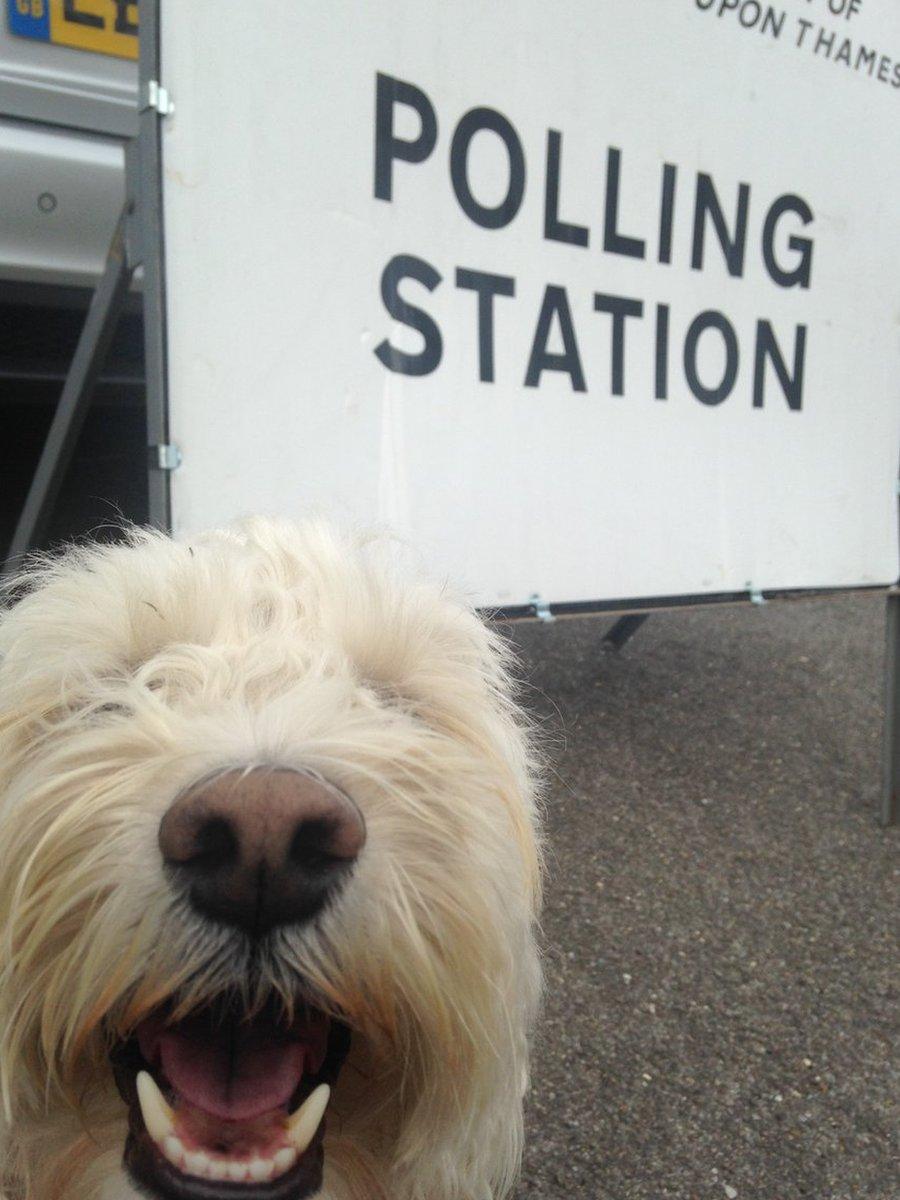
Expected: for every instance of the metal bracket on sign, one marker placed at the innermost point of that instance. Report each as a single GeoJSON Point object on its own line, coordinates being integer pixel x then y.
{"type": "Point", "coordinates": [542, 609]}
{"type": "Point", "coordinates": [165, 456]}
{"type": "Point", "coordinates": [159, 99]}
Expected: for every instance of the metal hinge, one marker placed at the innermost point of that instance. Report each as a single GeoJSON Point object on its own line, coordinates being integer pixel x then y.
{"type": "Point", "coordinates": [541, 609]}
{"type": "Point", "coordinates": [165, 456]}
{"type": "Point", "coordinates": [158, 98]}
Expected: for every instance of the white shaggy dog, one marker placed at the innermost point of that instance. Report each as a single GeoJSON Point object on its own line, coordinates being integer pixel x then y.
{"type": "Point", "coordinates": [268, 878]}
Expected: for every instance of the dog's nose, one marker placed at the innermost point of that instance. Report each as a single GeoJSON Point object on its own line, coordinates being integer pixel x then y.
{"type": "Point", "coordinates": [262, 848]}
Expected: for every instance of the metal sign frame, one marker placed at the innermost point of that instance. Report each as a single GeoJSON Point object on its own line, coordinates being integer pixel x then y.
{"type": "Point", "coordinates": [149, 226]}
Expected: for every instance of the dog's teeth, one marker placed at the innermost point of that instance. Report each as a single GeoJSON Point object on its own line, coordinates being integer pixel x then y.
{"type": "Point", "coordinates": [158, 1117]}
{"type": "Point", "coordinates": [173, 1149]}
{"type": "Point", "coordinates": [260, 1169]}
{"type": "Point", "coordinates": [197, 1164]}
{"type": "Point", "coordinates": [284, 1159]}
{"type": "Point", "coordinates": [160, 1122]}
{"type": "Point", "coordinates": [306, 1120]}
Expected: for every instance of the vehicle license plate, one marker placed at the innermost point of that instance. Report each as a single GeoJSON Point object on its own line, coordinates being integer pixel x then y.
{"type": "Point", "coordinates": [103, 26]}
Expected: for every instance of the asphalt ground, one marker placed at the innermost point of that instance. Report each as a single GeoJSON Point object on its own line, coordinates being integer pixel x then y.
{"type": "Point", "coordinates": [722, 910]}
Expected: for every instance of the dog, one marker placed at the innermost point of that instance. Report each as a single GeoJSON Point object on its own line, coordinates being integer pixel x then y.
{"type": "Point", "coordinates": [270, 874]}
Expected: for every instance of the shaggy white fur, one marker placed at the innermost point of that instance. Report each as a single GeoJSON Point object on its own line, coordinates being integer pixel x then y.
{"type": "Point", "coordinates": [131, 671]}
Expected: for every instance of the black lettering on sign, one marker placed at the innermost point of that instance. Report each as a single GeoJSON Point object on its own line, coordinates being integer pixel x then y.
{"type": "Point", "coordinates": [791, 385]}
{"type": "Point", "coordinates": [699, 325]}
{"type": "Point", "coordinates": [707, 202]}
{"type": "Point", "coordinates": [784, 251]}
{"type": "Point", "coordinates": [801, 273]}
{"type": "Point", "coordinates": [662, 352]}
{"type": "Point", "coordinates": [473, 122]}
{"type": "Point", "coordinates": [555, 304]}
{"type": "Point", "coordinates": [554, 229]}
{"type": "Point", "coordinates": [487, 286]}
{"type": "Point", "coordinates": [667, 212]}
{"type": "Point", "coordinates": [619, 307]}
{"type": "Point", "coordinates": [613, 241]}
{"type": "Point", "coordinates": [388, 93]}
{"type": "Point", "coordinates": [407, 266]}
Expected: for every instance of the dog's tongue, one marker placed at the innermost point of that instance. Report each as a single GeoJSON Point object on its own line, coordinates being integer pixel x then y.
{"type": "Point", "coordinates": [234, 1077]}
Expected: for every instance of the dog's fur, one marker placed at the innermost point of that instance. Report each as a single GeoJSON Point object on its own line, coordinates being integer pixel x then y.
{"type": "Point", "coordinates": [131, 670]}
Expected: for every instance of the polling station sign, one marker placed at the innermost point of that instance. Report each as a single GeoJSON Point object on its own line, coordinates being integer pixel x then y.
{"type": "Point", "coordinates": [590, 301]}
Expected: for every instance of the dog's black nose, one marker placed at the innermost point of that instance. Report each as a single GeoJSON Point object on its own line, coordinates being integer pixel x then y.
{"type": "Point", "coordinates": [261, 848]}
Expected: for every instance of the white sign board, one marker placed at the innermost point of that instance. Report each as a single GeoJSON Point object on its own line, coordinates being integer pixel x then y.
{"type": "Point", "coordinates": [591, 301]}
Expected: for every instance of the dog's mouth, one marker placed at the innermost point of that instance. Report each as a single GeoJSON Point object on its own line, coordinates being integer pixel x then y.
{"type": "Point", "coordinates": [222, 1105]}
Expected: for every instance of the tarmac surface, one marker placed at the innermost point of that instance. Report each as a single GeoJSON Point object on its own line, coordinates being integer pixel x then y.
{"type": "Point", "coordinates": [722, 912]}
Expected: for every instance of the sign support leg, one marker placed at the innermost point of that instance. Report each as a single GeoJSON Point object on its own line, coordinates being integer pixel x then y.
{"type": "Point", "coordinates": [890, 792]}
{"type": "Point", "coordinates": [622, 631]}
{"type": "Point", "coordinates": [87, 362]}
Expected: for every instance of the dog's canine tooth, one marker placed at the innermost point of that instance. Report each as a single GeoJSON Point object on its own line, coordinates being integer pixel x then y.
{"type": "Point", "coordinates": [158, 1117]}
{"type": "Point", "coordinates": [303, 1124]}
{"type": "Point", "coordinates": [173, 1150]}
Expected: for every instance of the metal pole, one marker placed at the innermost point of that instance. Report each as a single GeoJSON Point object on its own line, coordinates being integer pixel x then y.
{"type": "Point", "coordinates": [890, 792]}
{"type": "Point", "coordinates": [87, 362]}
{"type": "Point", "coordinates": [147, 184]}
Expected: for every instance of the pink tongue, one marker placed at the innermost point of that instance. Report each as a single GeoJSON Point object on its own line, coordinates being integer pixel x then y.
{"type": "Point", "coordinates": [248, 1079]}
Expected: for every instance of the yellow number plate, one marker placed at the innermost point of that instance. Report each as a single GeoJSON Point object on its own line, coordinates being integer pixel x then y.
{"type": "Point", "coordinates": [104, 26]}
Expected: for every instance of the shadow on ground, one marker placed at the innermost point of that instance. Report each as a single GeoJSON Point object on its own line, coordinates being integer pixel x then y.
{"type": "Point", "coordinates": [722, 910]}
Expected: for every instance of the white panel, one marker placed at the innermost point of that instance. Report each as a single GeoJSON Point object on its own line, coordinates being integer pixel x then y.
{"type": "Point", "coordinates": [276, 245]}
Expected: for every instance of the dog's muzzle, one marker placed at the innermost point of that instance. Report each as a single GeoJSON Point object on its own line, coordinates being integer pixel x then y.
{"type": "Point", "coordinates": [224, 1102]}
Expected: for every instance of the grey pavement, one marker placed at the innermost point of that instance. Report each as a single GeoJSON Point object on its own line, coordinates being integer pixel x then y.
{"type": "Point", "coordinates": [721, 1020]}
